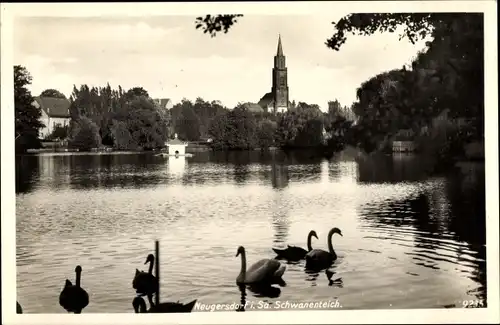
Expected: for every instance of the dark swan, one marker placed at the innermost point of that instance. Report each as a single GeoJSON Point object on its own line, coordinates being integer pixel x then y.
{"type": "Point", "coordinates": [165, 307]}
{"type": "Point", "coordinates": [265, 271]}
{"type": "Point", "coordinates": [295, 253]}
{"type": "Point", "coordinates": [19, 309]}
{"type": "Point", "coordinates": [318, 259]}
{"type": "Point", "coordinates": [145, 283]}
{"type": "Point", "coordinates": [74, 298]}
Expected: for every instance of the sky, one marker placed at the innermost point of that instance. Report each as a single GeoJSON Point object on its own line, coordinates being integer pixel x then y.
{"type": "Point", "coordinates": [171, 59]}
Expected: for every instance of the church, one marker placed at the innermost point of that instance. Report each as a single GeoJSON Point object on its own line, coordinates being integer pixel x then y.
{"type": "Point", "coordinates": [277, 100]}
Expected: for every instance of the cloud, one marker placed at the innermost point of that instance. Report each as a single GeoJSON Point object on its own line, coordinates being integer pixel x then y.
{"type": "Point", "coordinates": [170, 58]}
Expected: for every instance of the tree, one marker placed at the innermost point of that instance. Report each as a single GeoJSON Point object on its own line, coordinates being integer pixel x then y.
{"type": "Point", "coordinates": [218, 129]}
{"type": "Point", "coordinates": [145, 124]}
{"type": "Point", "coordinates": [136, 92]}
{"type": "Point", "coordinates": [52, 93]}
{"type": "Point", "coordinates": [85, 135]}
{"type": "Point", "coordinates": [214, 24]}
{"type": "Point", "coordinates": [186, 122]}
{"type": "Point", "coordinates": [27, 116]}
{"type": "Point", "coordinates": [122, 138]}
{"type": "Point", "coordinates": [266, 133]}
{"type": "Point", "coordinates": [234, 130]}
{"type": "Point", "coordinates": [60, 132]}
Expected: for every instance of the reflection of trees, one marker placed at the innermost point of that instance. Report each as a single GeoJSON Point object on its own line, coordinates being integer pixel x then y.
{"type": "Point", "coordinates": [279, 175]}
{"type": "Point", "coordinates": [453, 212]}
{"type": "Point", "coordinates": [27, 172]}
{"type": "Point", "coordinates": [281, 227]}
{"type": "Point", "coordinates": [130, 170]}
{"type": "Point", "coordinates": [467, 194]}
{"type": "Point", "coordinates": [392, 169]}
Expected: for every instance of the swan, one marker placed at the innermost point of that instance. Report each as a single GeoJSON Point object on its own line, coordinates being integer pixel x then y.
{"type": "Point", "coordinates": [165, 307]}
{"type": "Point", "coordinates": [295, 253]}
{"type": "Point", "coordinates": [145, 283]}
{"type": "Point", "coordinates": [320, 259]}
{"type": "Point", "coordinates": [19, 309]}
{"type": "Point", "coordinates": [74, 298]}
{"type": "Point", "coordinates": [265, 271]}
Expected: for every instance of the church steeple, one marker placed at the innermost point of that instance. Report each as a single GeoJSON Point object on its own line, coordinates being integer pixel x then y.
{"type": "Point", "coordinates": [280, 80]}
{"type": "Point", "coordinates": [279, 52]}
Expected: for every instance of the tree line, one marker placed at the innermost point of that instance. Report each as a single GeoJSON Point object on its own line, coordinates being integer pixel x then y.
{"type": "Point", "coordinates": [448, 76]}
{"type": "Point", "coordinates": [132, 120]}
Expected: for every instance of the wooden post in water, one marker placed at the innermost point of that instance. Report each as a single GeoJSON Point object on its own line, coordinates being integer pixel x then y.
{"type": "Point", "coordinates": [157, 271]}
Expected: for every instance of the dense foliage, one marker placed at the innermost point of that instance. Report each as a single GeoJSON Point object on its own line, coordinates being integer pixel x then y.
{"type": "Point", "coordinates": [84, 135]}
{"type": "Point", "coordinates": [27, 116]}
{"type": "Point", "coordinates": [52, 93]}
{"type": "Point", "coordinates": [448, 76]}
{"type": "Point", "coordinates": [125, 119]}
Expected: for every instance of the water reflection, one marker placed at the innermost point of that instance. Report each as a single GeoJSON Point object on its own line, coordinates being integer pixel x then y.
{"type": "Point", "coordinates": [264, 291]}
{"type": "Point", "coordinates": [243, 299]}
{"type": "Point", "coordinates": [27, 173]}
{"type": "Point", "coordinates": [393, 168]}
{"type": "Point", "coordinates": [241, 166]}
{"type": "Point", "coordinates": [410, 240]}
{"type": "Point", "coordinates": [423, 225]}
{"type": "Point", "coordinates": [280, 176]}
{"type": "Point", "coordinates": [176, 166]}
{"type": "Point", "coordinates": [333, 281]}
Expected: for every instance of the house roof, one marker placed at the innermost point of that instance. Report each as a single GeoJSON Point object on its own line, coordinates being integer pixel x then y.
{"type": "Point", "coordinates": [253, 107]}
{"type": "Point", "coordinates": [266, 99]}
{"type": "Point", "coordinates": [176, 141]}
{"type": "Point", "coordinates": [163, 101]}
{"type": "Point", "coordinates": [53, 106]}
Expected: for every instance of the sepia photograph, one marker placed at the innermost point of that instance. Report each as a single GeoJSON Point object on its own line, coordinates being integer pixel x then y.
{"type": "Point", "coordinates": [263, 162]}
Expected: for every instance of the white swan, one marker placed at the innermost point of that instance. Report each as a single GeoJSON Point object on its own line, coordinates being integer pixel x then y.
{"type": "Point", "coordinates": [265, 271]}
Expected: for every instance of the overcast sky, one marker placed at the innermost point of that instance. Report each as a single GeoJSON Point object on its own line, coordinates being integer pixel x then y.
{"type": "Point", "coordinates": [171, 59]}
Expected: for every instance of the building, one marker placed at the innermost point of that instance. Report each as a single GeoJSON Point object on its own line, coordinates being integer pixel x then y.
{"type": "Point", "coordinates": [165, 103]}
{"type": "Point", "coordinates": [55, 111]}
{"type": "Point", "coordinates": [278, 99]}
{"type": "Point", "coordinates": [176, 147]}
{"type": "Point", "coordinates": [253, 108]}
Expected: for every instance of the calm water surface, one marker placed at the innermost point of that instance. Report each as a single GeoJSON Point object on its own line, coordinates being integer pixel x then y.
{"type": "Point", "coordinates": [410, 240]}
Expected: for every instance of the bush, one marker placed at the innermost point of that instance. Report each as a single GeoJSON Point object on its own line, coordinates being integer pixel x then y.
{"type": "Point", "coordinates": [85, 135]}
{"type": "Point", "coordinates": [60, 132]}
{"type": "Point", "coordinates": [122, 139]}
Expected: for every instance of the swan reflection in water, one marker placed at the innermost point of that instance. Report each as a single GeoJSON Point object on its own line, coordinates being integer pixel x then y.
{"type": "Point", "coordinates": [312, 276]}
{"type": "Point", "coordinates": [259, 291]}
{"type": "Point", "coordinates": [333, 282]}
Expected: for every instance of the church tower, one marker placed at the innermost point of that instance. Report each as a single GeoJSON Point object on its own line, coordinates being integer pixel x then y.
{"type": "Point", "coordinates": [280, 81]}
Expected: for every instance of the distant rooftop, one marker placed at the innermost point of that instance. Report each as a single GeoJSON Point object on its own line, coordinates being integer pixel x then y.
{"type": "Point", "coordinates": [54, 106]}
{"type": "Point", "coordinates": [176, 141]}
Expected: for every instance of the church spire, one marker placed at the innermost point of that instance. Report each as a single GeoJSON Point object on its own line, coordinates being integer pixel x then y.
{"type": "Point", "coordinates": [280, 49]}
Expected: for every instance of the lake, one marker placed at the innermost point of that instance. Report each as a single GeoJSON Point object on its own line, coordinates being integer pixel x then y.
{"type": "Point", "coordinates": [411, 239]}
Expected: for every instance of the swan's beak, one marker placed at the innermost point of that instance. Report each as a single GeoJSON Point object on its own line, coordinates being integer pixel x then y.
{"type": "Point", "coordinates": [341, 234]}
{"type": "Point", "coordinates": [237, 253]}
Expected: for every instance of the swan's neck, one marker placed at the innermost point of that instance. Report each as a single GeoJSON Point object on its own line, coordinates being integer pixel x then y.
{"type": "Point", "coordinates": [78, 277]}
{"type": "Point", "coordinates": [309, 239]}
{"type": "Point", "coordinates": [330, 246]}
{"type": "Point", "coordinates": [151, 264]}
{"type": "Point", "coordinates": [243, 264]}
